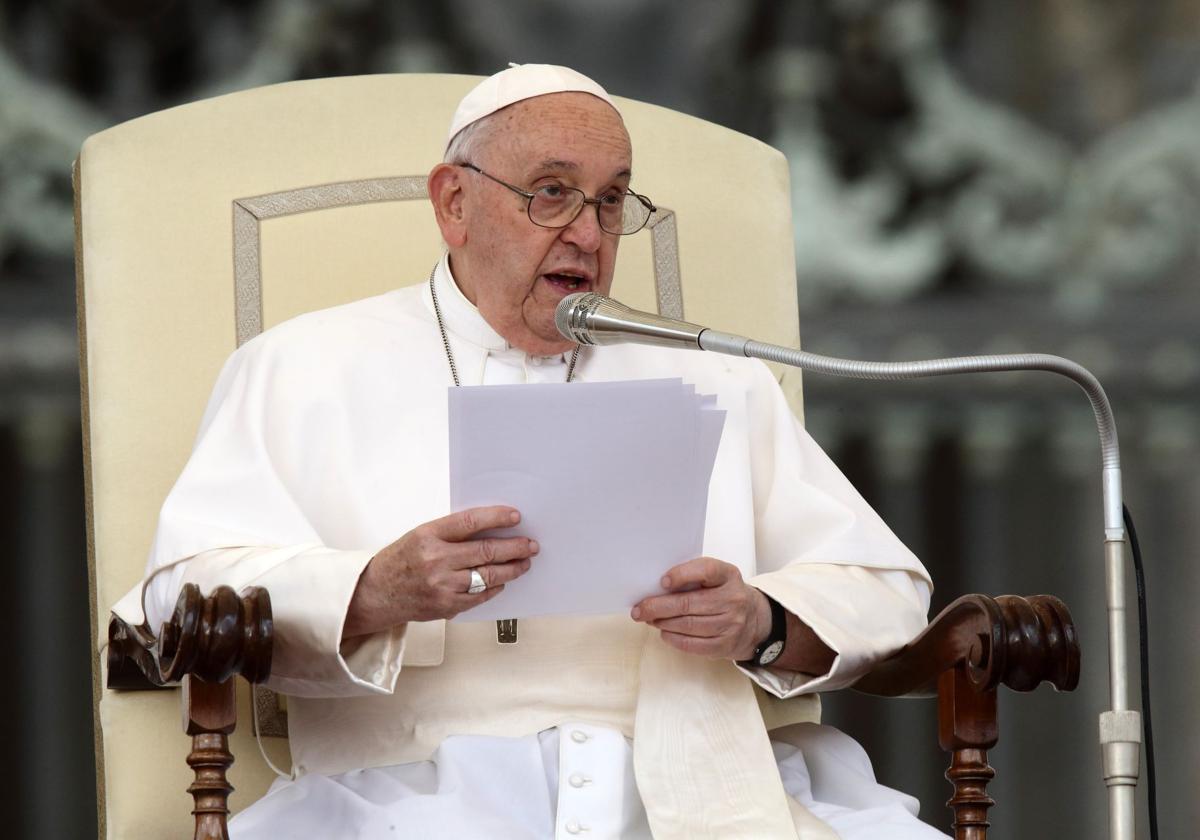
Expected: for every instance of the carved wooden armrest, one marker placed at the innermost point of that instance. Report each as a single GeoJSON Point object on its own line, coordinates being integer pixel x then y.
{"type": "Point", "coordinates": [975, 645]}
{"type": "Point", "coordinates": [207, 642]}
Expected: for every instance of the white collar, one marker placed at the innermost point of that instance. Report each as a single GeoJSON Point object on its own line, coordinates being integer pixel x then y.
{"type": "Point", "coordinates": [462, 318]}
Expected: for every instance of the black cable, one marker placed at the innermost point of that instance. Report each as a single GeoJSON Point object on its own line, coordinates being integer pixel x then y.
{"type": "Point", "coordinates": [1144, 647]}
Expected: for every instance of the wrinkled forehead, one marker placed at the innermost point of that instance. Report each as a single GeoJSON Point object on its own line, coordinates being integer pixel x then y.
{"type": "Point", "coordinates": [570, 127]}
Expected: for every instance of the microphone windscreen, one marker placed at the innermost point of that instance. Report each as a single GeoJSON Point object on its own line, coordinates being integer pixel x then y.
{"type": "Point", "coordinates": [563, 313]}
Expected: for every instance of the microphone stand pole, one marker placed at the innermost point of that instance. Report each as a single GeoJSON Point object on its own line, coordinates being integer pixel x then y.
{"type": "Point", "coordinates": [1120, 726]}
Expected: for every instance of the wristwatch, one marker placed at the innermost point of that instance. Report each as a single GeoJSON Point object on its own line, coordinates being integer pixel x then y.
{"type": "Point", "coordinates": [771, 647]}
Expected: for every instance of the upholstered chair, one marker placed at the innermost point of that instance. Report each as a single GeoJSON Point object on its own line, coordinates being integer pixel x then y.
{"type": "Point", "coordinates": [202, 225]}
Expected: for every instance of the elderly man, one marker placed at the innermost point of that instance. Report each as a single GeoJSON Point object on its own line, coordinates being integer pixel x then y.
{"type": "Point", "coordinates": [325, 439]}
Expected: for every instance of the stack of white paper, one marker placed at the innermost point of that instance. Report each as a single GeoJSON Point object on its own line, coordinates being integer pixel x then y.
{"type": "Point", "coordinates": [611, 479]}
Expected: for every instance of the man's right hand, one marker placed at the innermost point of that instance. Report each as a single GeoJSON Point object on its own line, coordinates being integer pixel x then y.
{"type": "Point", "coordinates": [424, 575]}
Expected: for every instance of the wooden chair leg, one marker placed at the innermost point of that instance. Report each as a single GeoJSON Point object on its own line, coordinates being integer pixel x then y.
{"type": "Point", "coordinates": [211, 713]}
{"type": "Point", "coordinates": [967, 729]}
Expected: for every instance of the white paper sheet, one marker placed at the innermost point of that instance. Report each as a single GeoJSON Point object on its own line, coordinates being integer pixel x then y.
{"type": "Point", "coordinates": [611, 479]}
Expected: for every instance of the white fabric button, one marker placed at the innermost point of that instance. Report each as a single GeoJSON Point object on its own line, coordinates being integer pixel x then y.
{"type": "Point", "coordinates": [579, 736]}
{"type": "Point", "coordinates": [536, 361]}
{"type": "Point", "coordinates": [573, 827]}
{"type": "Point", "coordinates": [577, 780]}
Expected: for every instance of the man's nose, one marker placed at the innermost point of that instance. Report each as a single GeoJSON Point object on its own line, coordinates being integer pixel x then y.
{"type": "Point", "coordinates": [585, 232]}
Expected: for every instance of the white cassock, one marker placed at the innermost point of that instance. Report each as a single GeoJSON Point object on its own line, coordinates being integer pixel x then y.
{"type": "Point", "coordinates": [325, 440]}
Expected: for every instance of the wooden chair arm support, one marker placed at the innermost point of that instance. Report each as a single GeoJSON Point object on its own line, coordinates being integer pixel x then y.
{"type": "Point", "coordinates": [213, 638]}
{"type": "Point", "coordinates": [965, 654]}
{"type": "Point", "coordinates": [1016, 641]}
{"type": "Point", "coordinates": [207, 642]}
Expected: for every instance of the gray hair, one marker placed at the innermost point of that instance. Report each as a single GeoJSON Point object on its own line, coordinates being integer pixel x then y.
{"type": "Point", "coordinates": [465, 146]}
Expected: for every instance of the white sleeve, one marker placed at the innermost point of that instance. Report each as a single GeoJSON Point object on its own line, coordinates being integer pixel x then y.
{"type": "Point", "coordinates": [862, 614]}
{"type": "Point", "coordinates": [824, 554]}
{"type": "Point", "coordinates": [235, 517]}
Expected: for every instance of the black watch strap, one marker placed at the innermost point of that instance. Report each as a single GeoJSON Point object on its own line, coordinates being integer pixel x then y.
{"type": "Point", "coordinates": [771, 647]}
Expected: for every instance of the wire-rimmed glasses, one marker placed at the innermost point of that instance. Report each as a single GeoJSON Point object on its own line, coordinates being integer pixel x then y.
{"type": "Point", "coordinates": [556, 206]}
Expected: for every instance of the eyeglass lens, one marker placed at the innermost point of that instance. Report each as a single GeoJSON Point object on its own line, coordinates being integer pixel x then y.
{"type": "Point", "coordinates": [557, 206]}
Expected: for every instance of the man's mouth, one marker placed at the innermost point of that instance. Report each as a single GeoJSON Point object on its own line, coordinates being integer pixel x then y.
{"type": "Point", "coordinates": [567, 281]}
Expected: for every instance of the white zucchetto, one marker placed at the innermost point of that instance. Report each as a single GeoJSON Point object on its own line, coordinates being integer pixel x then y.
{"type": "Point", "coordinates": [517, 82]}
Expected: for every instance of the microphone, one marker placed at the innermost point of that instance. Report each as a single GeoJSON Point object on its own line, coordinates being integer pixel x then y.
{"type": "Point", "coordinates": [590, 318]}
{"type": "Point", "coordinates": [593, 319]}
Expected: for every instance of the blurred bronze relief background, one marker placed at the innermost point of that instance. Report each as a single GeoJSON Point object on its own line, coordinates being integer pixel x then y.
{"type": "Point", "coordinates": [968, 177]}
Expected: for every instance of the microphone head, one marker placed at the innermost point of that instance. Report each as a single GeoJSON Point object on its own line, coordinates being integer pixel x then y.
{"type": "Point", "coordinates": [570, 313]}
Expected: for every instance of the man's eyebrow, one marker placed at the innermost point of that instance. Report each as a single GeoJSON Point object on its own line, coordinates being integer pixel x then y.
{"type": "Point", "coordinates": [570, 166]}
{"type": "Point", "coordinates": [555, 165]}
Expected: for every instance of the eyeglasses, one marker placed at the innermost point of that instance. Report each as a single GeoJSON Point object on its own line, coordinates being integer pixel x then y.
{"type": "Point", "coordinates": [556, 206]}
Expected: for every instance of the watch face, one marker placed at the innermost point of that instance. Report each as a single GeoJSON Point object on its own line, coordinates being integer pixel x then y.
{"type": "Point", "coordinates": [770, 653]}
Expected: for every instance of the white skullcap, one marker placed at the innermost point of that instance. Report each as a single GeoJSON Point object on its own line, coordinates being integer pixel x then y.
{"type": "Point", "coordinates": [519, 81]}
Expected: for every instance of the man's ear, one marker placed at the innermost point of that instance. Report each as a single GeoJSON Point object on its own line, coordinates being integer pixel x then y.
{"type": "Point", "coordinates": [446, 195]}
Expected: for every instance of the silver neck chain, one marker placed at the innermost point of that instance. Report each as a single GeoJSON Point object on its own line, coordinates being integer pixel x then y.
{"type": "Point", "coordinates": [437, 311]}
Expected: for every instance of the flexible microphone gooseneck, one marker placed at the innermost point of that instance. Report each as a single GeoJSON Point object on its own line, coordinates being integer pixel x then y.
{"type": "Point", "coordinates": [593, 319]}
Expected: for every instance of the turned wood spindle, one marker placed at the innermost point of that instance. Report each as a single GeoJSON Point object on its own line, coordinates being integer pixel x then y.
{"type": "Point", "coordinates": [211, 713]}
{"type": "Point", "coordinates": [967, 729]}
{"type": "Point", "coordinates": [970, 773]}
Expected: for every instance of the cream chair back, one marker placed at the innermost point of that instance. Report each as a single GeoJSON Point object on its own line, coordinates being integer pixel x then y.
{"type": "Point", "coordinates": [199, 226]}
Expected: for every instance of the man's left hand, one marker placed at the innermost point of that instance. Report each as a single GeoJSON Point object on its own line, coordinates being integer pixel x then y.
{"type": "Point", "coordinates": [709, 610]}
